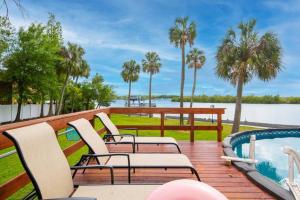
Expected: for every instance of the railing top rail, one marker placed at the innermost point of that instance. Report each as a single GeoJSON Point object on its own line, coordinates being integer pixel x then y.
{"type": "Point", "coordinates": [57, 122]}
{"type": "Point", "coordinates": [60, 122]}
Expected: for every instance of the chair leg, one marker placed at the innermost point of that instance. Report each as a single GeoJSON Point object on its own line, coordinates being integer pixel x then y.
{"type": "Point", "coordinates": [129, 175]}
{"type": "Point", "coordinates": [196, 173]}
{"type": "Point", "coordinates": [74, 173]}
{"type": "Point", "coordinates": [88, 162]}
{"type": "Point", "coordinates": [179, 151]}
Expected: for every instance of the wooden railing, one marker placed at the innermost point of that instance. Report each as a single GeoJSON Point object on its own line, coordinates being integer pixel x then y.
{"type": "Point", "coordinates": [60, 122]}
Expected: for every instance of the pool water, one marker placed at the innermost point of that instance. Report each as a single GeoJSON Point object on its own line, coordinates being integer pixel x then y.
{"type": "Point", "coordinates": [272, 162]}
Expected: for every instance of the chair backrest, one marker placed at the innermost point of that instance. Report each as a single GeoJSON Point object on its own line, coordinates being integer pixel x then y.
{"type": "Point", "coordinates": [43, 160]}
{"type": "Point", "coordinates": [109, 125]}
{"type": "Point", "coordinates": [90, 136]}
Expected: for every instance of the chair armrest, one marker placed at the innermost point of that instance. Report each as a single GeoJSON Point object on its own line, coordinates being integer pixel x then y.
{"type": "Point", "coordinates": [77, 167]}
{"type": "Point", "coordinates": [119, 135]}
{"type": "Point", "coordinates": [136, 130]}
{"type": "Point", "coordinates": [75, 198]}
{"type": "Point", "coordinates": [107, 155]}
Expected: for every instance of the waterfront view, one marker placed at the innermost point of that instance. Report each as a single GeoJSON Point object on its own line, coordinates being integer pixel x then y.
{"type": "Point", "coordinates": [149, 100]}
{"type": "Point", "coordinates": [263, 113]}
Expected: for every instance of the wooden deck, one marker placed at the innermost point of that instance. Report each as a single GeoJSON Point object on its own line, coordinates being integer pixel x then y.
{"type": "Point", "coordinates": [206, 158]}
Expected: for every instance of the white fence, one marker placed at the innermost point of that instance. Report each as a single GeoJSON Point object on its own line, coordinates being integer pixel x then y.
{"type": "Point", "coordinates": [8, 112]}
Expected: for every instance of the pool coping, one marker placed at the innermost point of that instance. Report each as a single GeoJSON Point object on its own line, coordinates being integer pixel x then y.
{"type": "Point", "coordinates": [261, 181]}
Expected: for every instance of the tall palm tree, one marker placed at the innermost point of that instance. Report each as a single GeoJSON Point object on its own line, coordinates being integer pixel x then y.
{"type": "Point", "coordinates": [82, 70]}
{"type": "Point", "coordinates": [181, 34]}
{"type": "Point", "coordinates": [151, 65]}
{"type": "Point", "coordinates": [240, 57]}
{"type": "Point", "coordinates": [130, 74]}
{"type": "Point", "coordinates": [72, 59]}
{"type": "Point", "coordinates": [195, 60]}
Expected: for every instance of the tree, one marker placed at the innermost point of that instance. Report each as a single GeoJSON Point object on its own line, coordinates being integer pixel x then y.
{"type": "Point", "coordinates": [103, 94]}
{"type": "Point", "coordinates": [130, 74]}
{"type": "Point", "coordinates": [82, 70]}
{"type": "Point", "coordinates": [240, 57]}
{"type": "Point", "coordinates": [151, 65]}
{"type": "Point", "coordinates": [54, 31]}
{"type": "Point", "coordinates": [30, 67]}
{"type": "Point", "coordinates": [72, 58]}
{"type": "Point", "coordinates": [181, 34]}
{"type": "Point", "coordinates": [195, 60]}
{"type": "Point", "coordinates": [88, 94]}
{"type": "Point", "coordinates": [6, 37]}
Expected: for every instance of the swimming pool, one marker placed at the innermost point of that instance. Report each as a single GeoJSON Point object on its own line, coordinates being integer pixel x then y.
{"type": "Point", "coordinates": [272, 162]}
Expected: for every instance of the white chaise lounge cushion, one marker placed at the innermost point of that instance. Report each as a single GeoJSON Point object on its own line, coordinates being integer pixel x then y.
{"type": "Point", "coordinates": [114, 130]}
{"type": "Point", "coordinates": [149, 140]}
{"type": "Point", "coordinates": [96, 143]}
{"type": "Point", "coordinates": [116, 192]}
{"type": "Point", "coordinates": [45, 160]}
{"type": "Point", "coordinates": [151, 160]}
{"type": "Point", "coordinates": [91, 138]}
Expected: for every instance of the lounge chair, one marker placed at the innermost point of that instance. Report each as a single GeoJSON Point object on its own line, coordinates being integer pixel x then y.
{"type": "Point", "coordinates": [49, 171]}
{"type": "Point", "coordinates": [114, 134]}
{"type": "Point", "coordinates": [132, 160]}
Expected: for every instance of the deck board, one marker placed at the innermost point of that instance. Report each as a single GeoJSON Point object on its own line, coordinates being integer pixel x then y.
{"type": "Point", "coordinates": [205, 156]}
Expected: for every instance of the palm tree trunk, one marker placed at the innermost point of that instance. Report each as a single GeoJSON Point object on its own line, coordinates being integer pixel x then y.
{"type": "Point", "coordinates": [182, 81]}
{"type": "Point", "coordinates": [62, 95]}
{"type": "Point", "coordinates": [42, 107]}
{"type": "Point", "coordinates": [150, 88]}
{"type": "Point", "coordinates": [194, 87]}
{"type": "Point", "coordinates": [18, 116]}
{"type": "Point", "coordinates": [238, 106]}
{"type": "Point", "coordinates": [73, 95]}
{"type": "Point", "coordinates": [129, 93]}
{"type": "Point", "coordinates": [20, 101]}
{"type": "Point", "coordinates": [193, 91]}
{"type": "Point", "coordinates": [50, 112]}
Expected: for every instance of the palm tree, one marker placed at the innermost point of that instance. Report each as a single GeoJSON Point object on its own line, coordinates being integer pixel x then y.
{"type": "Point", "coordinates": [239, 58]}
{"type": "Point", "coordinates": [82, 70]}
{"type": "Point", "coordinates": [151, 65]}
{"type": "Point", "coordinates": [181, 34]}
{"type": "Point", "coordinates": [130, 74]}
{"type": "Point", "coordinates": [72, 59]}
{"type": "Point", "coordinates": [195, 59]}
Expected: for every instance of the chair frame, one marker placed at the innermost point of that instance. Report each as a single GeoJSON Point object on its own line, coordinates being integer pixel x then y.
{"type": "Point", "coordinates": [193, 170]}
{"type": "Point", "coordinates": [134, 143]}
{"type": "Point", "coordinates": [38, 193]}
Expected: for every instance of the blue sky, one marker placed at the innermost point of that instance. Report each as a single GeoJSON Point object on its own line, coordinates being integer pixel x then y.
{"type": "Point", "coordinates": [115, 31]}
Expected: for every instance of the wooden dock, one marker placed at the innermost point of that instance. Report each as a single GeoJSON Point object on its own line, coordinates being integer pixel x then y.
{"type": "Point", "coordinates": [206, 158]}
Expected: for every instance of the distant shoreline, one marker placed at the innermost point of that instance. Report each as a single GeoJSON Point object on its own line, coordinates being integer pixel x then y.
{"type": "Point", "coordinates": [250, 99]}
{"type": "Point", "coordinates": [244, 123]}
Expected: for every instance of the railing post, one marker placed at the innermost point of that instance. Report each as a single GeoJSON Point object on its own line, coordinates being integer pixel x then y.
{"type": "Point", "coordinates": [219, 121]}
{"type": "Point", "coordinates": [92, 121]}
{"type": "Point", "coordinates": [162, 124]}
{"type": "Point", "coordinates": [192, 122]}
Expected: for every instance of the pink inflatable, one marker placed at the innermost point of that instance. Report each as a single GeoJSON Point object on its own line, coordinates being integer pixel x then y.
{"type": "Point", "coordinates": [186, 190]}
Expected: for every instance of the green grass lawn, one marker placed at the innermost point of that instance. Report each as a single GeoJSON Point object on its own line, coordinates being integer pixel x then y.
{"type": "Point", "coordinates": [11, 166]}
